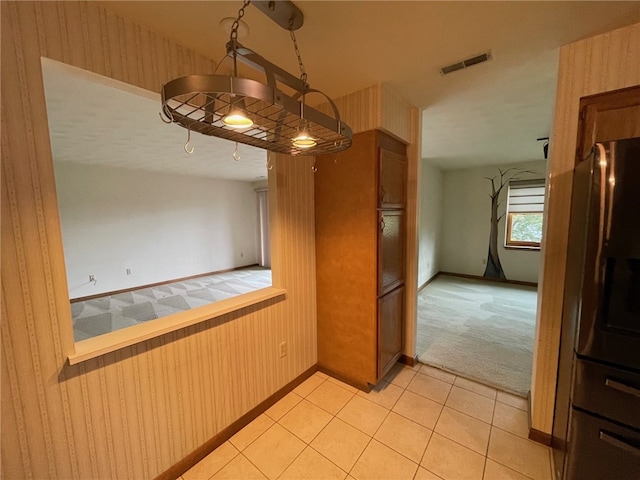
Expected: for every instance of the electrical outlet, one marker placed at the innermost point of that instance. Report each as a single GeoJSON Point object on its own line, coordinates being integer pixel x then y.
{"type": "Point", "coordinates": [128, 271]}
{"type": "Point", "coordinates": [283, 349]}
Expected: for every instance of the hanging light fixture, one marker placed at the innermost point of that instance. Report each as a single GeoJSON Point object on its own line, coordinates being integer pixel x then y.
{"type": "Point", "coordinates": [254, 113]}
{"type": "Point", "coordinates": [303, 138]}
{"type": "Point", "coordinates": [236, 118]}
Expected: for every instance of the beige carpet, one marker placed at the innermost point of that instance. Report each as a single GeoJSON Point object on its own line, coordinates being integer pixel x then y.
{"type": "Point", "coordinates": [478, 329]}
{"type": "Point", "coordinates": [113, 312]}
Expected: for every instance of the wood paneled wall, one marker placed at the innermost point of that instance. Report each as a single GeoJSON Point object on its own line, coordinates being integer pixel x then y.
{"type": "Point", "coordinates": [599, 64]}
{"type": "Point", "coordinates": [375, 107]}
{"type": "Point", "coordinates": [135, 412]}
{"type": "Point", "coordinates": [397, 116]}
{"type": "Point", "coordinates": [360, 110]}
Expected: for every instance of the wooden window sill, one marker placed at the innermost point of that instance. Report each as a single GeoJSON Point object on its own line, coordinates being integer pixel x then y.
{"type": "Point", "coordinates": [515, 247]}
{"type": "Point", "coordinates": [110, 342]}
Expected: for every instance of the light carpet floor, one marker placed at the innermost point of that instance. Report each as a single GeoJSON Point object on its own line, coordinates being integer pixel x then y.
{"type": "Point", "coordinates": [478, 329]}
{"type": "Point", "coordinates": [113, 312]}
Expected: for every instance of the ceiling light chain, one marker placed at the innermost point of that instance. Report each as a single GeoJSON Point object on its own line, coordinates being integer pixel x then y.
{"type": "Point", "coordinates": [233, 36]}
{"type": "Point", "coordinates": [303, 138]}
{"type": "Point", "coordinates": [236, 117]}
{"type": "Point", "coordinates": [303, 72]}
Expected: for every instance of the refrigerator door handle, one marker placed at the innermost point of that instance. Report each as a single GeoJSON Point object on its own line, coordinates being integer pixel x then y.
{"type": "Point", "coordinates": [621, 387]}
{"type": "Point", "coordinates": [621, 444]}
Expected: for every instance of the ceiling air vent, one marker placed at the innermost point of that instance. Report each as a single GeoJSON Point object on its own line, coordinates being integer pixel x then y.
{"type": "Point", "coordinates": [466, 63]}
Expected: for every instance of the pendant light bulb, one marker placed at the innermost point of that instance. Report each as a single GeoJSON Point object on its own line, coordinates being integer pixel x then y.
{"type": "Point", "coordinates": [237, 119]}
{"type": "Point", "coordinates": [304, 140]}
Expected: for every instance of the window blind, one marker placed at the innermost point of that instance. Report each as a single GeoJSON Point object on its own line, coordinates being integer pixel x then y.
{"type": "Point", "coordinates": [526, 196]}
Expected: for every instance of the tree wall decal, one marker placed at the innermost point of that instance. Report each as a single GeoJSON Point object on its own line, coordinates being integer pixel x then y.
{"type": "Point", "coordinates": [498, 182]}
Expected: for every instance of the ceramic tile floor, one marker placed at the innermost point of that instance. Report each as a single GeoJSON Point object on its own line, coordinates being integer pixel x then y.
{"type": "Point", "coordinates": [419, 423]}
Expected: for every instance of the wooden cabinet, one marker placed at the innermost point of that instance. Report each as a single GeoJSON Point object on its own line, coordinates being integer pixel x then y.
{"type": "Point", "coordinates": [360, 198]}
{"type": "Point", "coordinates": [393, 184]}
{"type": "Point", "coordinates": [391, 242]}
{"type": "Point", "coordinates": [390, 321]}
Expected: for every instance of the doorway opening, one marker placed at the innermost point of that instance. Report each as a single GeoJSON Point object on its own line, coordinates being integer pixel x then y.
{"type": "Point", "coordinates": [479, 253]}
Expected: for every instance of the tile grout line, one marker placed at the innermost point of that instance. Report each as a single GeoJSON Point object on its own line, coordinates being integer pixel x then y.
{"type": "Point", "coordinates": [433, 431]}
{"type": "Point", "coordinates": [255, 439]}
{"type": "Point", "coordinates": [335, 416]}
{"type": "Point", "coordinates": [531, 442]}
{"type": "Point", "coordinates": [370, 436]}
{"type": "Point", "coordinates": [322, 429]}
{"type": "Point", "coordinates": [389, 409]}
{"type": "Point", "coordinates": [296, 457]}
{"type": "Point", "coordinates": [359, 456]}
{"type": "Point", "coordinates": [255, 466]}
{"type": "Point", "coordinates": [214, 473]}
{"type": "Point", "coordinates": [398, 452]}
{"type": "Point", "coordinates": [374, 433]}
{"type": "Point", "coordinates": [327, 459]}
{"type": "Point", "coordinates": [468, 390]}
{"type": "Point", "coordinates": [307, 444]}
{"type": "Point", "coordinates": [495, 401]}
{"type": "Point", "coordinates": [486, 451]}
{"type": "Point", "coordinates": [510, 467]}
{"type": "Point", "coordinates": [464, 413]}
{"type": "Point", "coordinates": [275, 422]}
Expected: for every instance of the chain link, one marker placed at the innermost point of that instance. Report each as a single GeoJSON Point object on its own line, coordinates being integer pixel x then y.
{"type": "Point", "coordinates": [303, 73]}
{"type": "Point", "coordinates": [234, 28]}
{"type": "Point", "coordinates": [234, 37]}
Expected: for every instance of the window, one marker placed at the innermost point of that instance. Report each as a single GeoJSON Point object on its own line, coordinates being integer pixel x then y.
{"type": "Point", "coordinates": [525, 206]}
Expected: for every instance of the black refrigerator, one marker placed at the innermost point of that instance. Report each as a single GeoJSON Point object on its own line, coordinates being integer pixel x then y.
{"type": "Point", "coordinates": [596, 429]}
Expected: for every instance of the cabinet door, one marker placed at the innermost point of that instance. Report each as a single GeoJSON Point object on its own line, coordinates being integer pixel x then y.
{"type": "Point", "coordinates": [390, 329]}
{"type": "Point", "coordinates": [392, 179]}
{"type": "Point", "coordinates": [390, 250]}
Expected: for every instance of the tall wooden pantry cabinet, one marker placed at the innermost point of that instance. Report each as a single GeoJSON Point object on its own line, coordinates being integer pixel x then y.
{"type": "Point", "coordinates": [360, 199]}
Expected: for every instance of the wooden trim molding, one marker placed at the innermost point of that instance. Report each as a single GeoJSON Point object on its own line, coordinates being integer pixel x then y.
{"type": "Point", "coordinates": [365, 387]}
{"type": "Point", "coordinates": [125, 337]}
{"type": "Point", "coordinates": [412, 232]}
{"type": "Point", "coordinates": [201, 452]}
{"type": "Point", "coordinates": [407, 360]}
{"type": "Point", "coordinates": [540, 437]}
{"type": "Point", "coordinates": [517, 244]}
{"type": "Point", "coordinates": [534, 434]}
{"type": "Point", "coordinates": [478, 277]}
{"type": "Point", "coordinates": [524, 249]}
{"type": "Point", "coordinates": [431, 279]}
{"type": "Point", "coordinates": [165, 282]}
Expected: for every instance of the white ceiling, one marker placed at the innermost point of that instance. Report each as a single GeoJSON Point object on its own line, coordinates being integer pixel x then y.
{"type": "Point", "coordinates": [488, 114]}
{"type": "Point", "coordinates": [98, 120]}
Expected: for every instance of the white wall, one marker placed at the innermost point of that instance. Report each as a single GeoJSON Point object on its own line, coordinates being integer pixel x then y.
{"type": "Point", "coordinates": [466, 213]}
{"type": "Point", "coordinates": [429, 222]}
{"type": "Point", "coordinates": [160, 226]}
